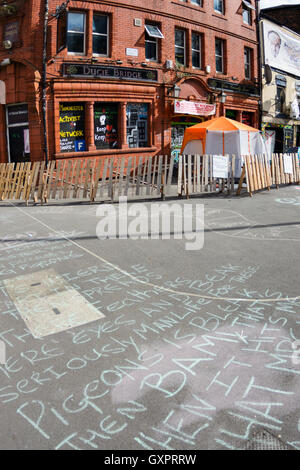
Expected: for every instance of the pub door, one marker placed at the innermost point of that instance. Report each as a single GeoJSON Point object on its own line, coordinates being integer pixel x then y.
{"type": "Point", "coordinates": [18, 133]}
{"type": "Point", "coordinates": [18, 144]}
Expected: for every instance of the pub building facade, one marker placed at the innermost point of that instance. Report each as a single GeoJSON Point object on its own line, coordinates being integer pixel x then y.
{"type": "Point", "coordinates": [122, 80]}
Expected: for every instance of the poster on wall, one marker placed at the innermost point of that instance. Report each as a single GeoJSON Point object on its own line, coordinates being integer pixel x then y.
{"type": "Point", "coordinates": [106, 125]}
{"type": "Point", "coordinates": [137, 125]}
{"type": "Point", "coordinates": [281, 48]}
{"type": "Point", "coordinates": [71, 123]}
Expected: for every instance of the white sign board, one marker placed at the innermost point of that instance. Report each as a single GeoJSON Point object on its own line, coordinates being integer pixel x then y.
{"type": "Point", "coordinates": [132, 52]}
{"type": "Point", "coordinates": [281, 48]}
{"type": "Point", "coordinates": [288, 164]}
{"type": "Point", "coordinates": [220, 166]}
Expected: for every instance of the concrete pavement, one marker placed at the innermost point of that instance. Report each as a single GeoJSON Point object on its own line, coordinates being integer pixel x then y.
{"type": "Point", "coordinates": [146, 345]}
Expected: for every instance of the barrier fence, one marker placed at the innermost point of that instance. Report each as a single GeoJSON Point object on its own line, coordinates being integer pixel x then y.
{"type": "Point", "coordinates": [110, 177]}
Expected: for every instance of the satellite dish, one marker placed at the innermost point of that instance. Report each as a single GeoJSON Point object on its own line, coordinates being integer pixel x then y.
{"type": "Point", "coordinates": [268, 74]}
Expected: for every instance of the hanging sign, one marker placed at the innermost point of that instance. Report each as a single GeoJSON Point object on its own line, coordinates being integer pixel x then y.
{"type": "Point", "coordinates": [194, 108]}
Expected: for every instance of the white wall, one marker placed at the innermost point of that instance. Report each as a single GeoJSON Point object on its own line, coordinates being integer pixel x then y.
{"type": "Point", "coordinates": [277, 3]}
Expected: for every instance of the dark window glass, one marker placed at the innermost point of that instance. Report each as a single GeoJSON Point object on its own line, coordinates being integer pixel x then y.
{"type": "Point", "coordinates": [137, 125]}
{"type": "Point", "coordinates": [100, 34]}
{"type": "Point", "coordinates": [150, 48]}
{"type": "Point", "coordinates": [106, 125]}
{"type": "Point", "coordinates": [196, 50]}
{"type": "Point", "coordinates": [247, 59]}
{"type": "Point", "coordinates": [76, 32]}
{"type": "Point", "coordinates": [180, 46]}
{"type": "Point", "coordinates": [75, 43]}
{"type": "Point", "coordinates": [219, 47]}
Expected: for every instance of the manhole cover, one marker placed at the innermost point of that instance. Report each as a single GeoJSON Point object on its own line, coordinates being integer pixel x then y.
{"type": "Point", "coordinates": [48, 303]}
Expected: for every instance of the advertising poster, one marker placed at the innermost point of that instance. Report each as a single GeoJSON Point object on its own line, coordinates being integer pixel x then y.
{"type": "Point", "coordinates": [106, 125]}
{"type": "Point", "coordinates": [281, 48]}
{"type": "Point", "coordinates": [71, 123]}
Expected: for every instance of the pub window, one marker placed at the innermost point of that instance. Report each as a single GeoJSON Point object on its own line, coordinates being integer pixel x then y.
{"type": "Point", "coordinates": [219, 51]}
{"type": "Point", "coordinates": [100, 34]}
{"type": "Point", "coordinates": [180, 52]}
{"type": "Point", "coordinates": [219, 6]}
{"type": "Point", "coordinates": [76, 33]}
{"type": "Point", "coordinates": [196, 50]}
{"type": "Point", "coordinates": [152, 35]}
{"type": "Point", "coordinates": [106, 125]}
{"type": "Point", "coordinates": [247, 62]}
{"type": "Point", "coordinates": [71, 125]}
{"type": "Point", "coordinates": [137, 124]}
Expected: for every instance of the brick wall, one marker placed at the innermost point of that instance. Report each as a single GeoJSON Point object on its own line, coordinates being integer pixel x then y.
{"type": "Point", "coordinates": [23, 76]}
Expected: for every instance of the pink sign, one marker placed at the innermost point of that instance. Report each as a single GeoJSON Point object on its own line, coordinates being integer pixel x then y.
{"type": "Point", "coordinates": [194, 107]}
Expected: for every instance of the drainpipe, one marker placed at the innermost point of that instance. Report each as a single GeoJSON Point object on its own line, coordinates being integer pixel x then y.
{"type": "Point", "coordinates": [258, 19]}
{"type": "Point", "coordinates": [44, 81]}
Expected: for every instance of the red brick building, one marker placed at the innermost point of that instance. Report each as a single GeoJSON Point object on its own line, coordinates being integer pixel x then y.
{"type": "Point", "coordinates": [113, 70]}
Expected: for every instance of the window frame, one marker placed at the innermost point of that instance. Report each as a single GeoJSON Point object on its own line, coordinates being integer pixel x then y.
{"type": "Point", "coordinates": [149, 39]}
{"type": "Point", "coordinates": [199, 51]}
{"type": "Point", "coordinates": [83, 33]}
{"type": "Point", "coordinates": [249, 19]}
{"type": "Point", "coordinates": [222, 55]}
{"type": "Point", "coordinates": [223, 7]}
{"type": "Point", "coordinates": [194, 2]}
{"type": "Point", "coordinates": [181, 47]}
{"type": "Point", "coordinates": [248, 52]}
{"type": "Point", "coordinates": [153, 39]}
{"type": "Point", "coordinates": [95, 54]}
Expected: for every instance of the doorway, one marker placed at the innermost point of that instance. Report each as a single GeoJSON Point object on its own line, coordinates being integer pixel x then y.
{"type": "Point", "coordinates": [18, 133]}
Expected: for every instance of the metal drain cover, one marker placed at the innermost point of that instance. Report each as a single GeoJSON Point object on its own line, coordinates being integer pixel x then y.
{"type": "Point", "coordinates": [49, 304]}
{"type": "Point", "coordinates": [264, 440]}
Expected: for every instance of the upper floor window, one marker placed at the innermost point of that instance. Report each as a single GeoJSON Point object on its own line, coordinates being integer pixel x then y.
{"type": "Point", "coordinates": [100, 34]}
{"type": "Point", "coordinates": [180, 47]}
{"type": "Point", "coordinates": [197, 2]}
{"type": "Point", "coordinates": [247, 15]}
{"type": "Point", "coordinates": [196, 50]}
{"type": "Point", "coordinates": [219, 6]}
{"type": "Point", "coordinates": [219, 52]}
{"type": "Point", "coordinates": [76, 33]}
{"type": "Point", "coordinates": [152, 35]}
{"type": "Point", "coordinates": [247, 61]}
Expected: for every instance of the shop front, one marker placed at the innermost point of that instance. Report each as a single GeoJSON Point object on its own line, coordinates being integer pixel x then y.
{"type": "Point", "coordinates": [107, 116]}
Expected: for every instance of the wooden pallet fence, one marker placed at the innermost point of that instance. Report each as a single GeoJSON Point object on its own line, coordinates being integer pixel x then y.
{"type": "Point", "coordinates": [285, 169]}
{"type": "Point", "coordinates": [196, 175]}
{"type": "Point", "coordinates": [93, 179]}
{"type": "Point", "coordinates": [257, 172]}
